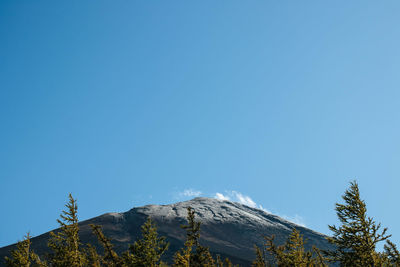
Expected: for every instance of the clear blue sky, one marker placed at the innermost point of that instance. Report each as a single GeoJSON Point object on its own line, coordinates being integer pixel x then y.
{"type": "Point", "coordinates": [126, 103]}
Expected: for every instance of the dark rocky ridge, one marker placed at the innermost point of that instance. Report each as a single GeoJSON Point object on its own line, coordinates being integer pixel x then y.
{"type": "Point", "coordinates": [228, 228]}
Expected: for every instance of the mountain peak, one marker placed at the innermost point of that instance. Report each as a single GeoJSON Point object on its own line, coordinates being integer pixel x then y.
{"type": "Point", "coordinates": [212, 210]}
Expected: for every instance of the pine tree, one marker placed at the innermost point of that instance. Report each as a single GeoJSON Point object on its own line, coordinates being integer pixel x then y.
{"type": "Point", "coordinates": [110, 257]}
{"type": "Point", "coordinates": [392, 254]}
{"type": "Point", "coordinates": [147, 252]}
{"type": "Point", "coordinates": [356, 238]}
{"type": "Point", "coordinates": [182, 258]}
{"type": "Point", "coordinates": [193, 254]}
{"type": "Point", "coordinates": [23, 256]}
{"type": "Point", "coordinates": [220, 263]}
{"type": "Point", "coordinates": [65, 244]}
{"type": "Point", "coordinates": [228, 263]}
{"type": "Point", "coordinates": [260, 260]}
{"type": "Point", "coordinates": [292, 253]}
{"type": "Point", "coordinates": [93, 258]}
{"type": "Point", "coordinates": [319, 259]}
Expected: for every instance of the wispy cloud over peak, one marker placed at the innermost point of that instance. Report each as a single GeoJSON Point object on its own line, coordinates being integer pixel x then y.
{"type": "Point", "coordinates": [221, 196]}
{"type": "Point", "coordinates": [236, 197]}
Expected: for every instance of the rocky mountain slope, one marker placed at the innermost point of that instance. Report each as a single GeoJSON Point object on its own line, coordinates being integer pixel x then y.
{"type": "Point", "coordinates": [228, 228]}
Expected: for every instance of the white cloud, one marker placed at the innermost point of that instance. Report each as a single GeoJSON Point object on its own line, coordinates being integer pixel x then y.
{"type": "Point", "coordinates": [236, 197]}
{"type": "Point", "coordinates": [246, 200]}
{"type": "Point", "coordinates": [221, 196]}
{"type": "Point", "coordinates": [190, 193]}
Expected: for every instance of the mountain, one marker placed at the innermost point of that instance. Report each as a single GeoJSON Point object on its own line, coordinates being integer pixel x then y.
{"type": "Point", "coordinates": [228, 228]}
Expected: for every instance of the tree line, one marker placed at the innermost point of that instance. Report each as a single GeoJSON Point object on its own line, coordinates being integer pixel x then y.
{"type": "Point", "coordinates": [354, 242]}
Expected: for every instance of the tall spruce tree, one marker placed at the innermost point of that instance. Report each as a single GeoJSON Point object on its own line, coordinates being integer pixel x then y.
{"type": "Point", "coordinates": [290, 254]}
{"type": "Point", "coordinates": [110, 257]}
{"type": "Point", "coordinates": [193, 254]}
{"type": "Point", "coordinates": [392, 254]}
{"type": "Point", "coordinates": [260, 260]}
{"type": "Point", "coordinates": [67, 250]}
{"type": "Point", "coordinates": [357, 236]}
{"type": "Point", "coordinates": [147, 251]}
{"type": "Point", "coordinates": [23, 256]}
{"type": "Point", "coordinates": [220, 263]}
{"type": "Point", "coordinates": [93, 258]}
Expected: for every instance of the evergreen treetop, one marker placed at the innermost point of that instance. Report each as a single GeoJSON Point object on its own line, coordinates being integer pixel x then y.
{"type": "Point", "coordinates": [357, 236]}
{"type": "Point", "coordinates": [66, 247]}
{"type": "Point", "coordinates": [147, 251]}
{"type": "Point", "coordinates": [23, 256]}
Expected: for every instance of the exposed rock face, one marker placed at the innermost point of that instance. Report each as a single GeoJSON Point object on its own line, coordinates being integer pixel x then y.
{"type": "Point", "coordinates": [229, 229]}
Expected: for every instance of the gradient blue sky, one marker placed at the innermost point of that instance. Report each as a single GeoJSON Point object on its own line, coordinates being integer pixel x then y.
{"type": "Point", "coordinates": [126, 103]}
